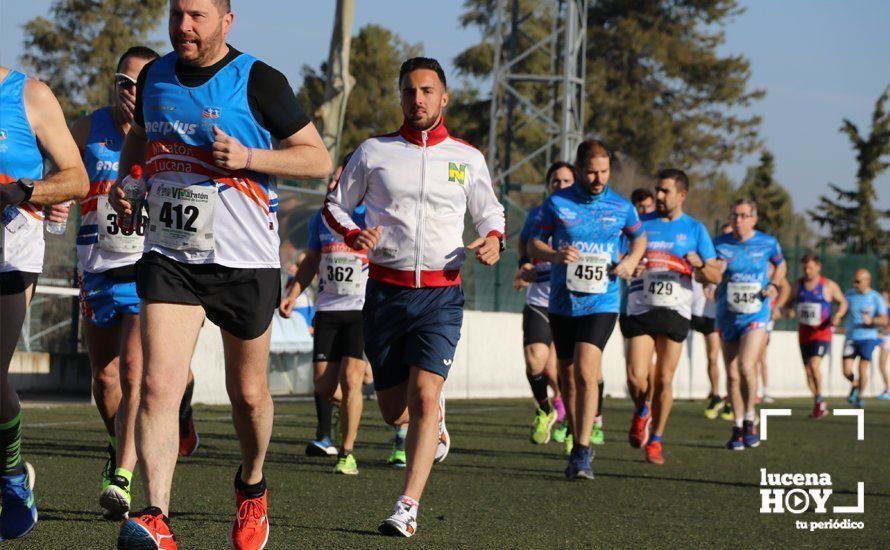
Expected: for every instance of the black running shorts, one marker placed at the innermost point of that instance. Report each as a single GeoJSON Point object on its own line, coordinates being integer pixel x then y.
{"type": "Point", "coordinates": [535, 326]}
{"type": "Point", "coordinates": [658, 321]}
{"type": "Point", "coordinates": [338, 334]}
{"type": "Point", "coordinates": [239, 301]}
{"type": "Point", "coordinates": [703, 325]}
{"type": "Point", "coordinates": [593, 329]}
{"type": "Point", "coordinates": [16, 282]}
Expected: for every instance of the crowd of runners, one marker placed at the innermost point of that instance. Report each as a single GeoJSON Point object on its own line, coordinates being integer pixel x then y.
{"type": "Point", "coordinates": [209, 129]}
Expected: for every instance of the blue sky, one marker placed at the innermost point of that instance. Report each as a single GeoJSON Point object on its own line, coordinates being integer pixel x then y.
{"type": "Point", "coordinates": [819, 61]}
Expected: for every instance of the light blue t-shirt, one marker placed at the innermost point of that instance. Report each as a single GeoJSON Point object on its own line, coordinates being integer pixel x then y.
{"type": "Point", "coordinates": [870, 303]}
{"type": "Point", "coordinates": [739, 299]}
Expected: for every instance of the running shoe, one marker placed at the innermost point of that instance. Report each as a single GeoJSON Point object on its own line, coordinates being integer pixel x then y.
{"type": "Point", "coordinates": [639, 429]}
{"type": "Point", "coordinates": [444, 439]}
{"type": "Point", "coordinates": [736, 442]}
{"type": "Point", "coordinates": [820, 409]}
{"type": "Point", "coordinates": [18, 513]}
{"type": "Point", "coordinates": [115, 498]}
{"type": "Point", "coordinates": [884, 396]}
{"type": "Point", "coordinates": [726, 413]}
{"type": "Point", "coordinates": [579, 465]}
{"type": "Point", "coordinates": [859, 404]}
{"type": "Point", "coordinates": [559, 432]}
{"type": "Point", "coordinates": [768, 399]}
{"type": "Point", "coordinates": [188, 437]}
{"type": "Point", "coordinates": [749, 435]}
{"type": "Point", "coordinates": [569, 444]}
{"type": "Point", "coordinates": [149, 530]}
{"type": "Point", "coordinates": [653, 453]}
{"type": "Point", "coordinates": [561, 409]}
{"type": "Point", "coordinates": [346, 465]}
{"type": "Point", "coordinates": [543, 424]}
{"type": "Point", "coordinates": [713, 408]}
{"type": "Point", "coordinates": [854, 396]}
{"type": "Point", "coordinates": [110, 466]}
{"type": "Point", "coordinates": [321, 447]}
{"type": "Point", "coordinates": [597, 434]}
{"type": "Point", "coordinates": [403, 521]}
{"type": "Point", "coordinates": [250, 528]}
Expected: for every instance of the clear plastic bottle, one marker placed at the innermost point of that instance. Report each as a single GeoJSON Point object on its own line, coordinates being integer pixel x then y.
{"type": "Point", "coordinates": [134, 188]}
{"type": "Point", "coordinates": [57, 228]}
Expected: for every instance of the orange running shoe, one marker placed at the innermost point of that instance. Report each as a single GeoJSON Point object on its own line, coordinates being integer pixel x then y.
{"type": "Point", "coordinates": [639, 429]}
{"type": "Point", "coordinates": [188, 437]}
{"type": "Point", "coordinates": [149, 529]}
{"type": "Point", "coordinates": [250, 530]}
{"type": "Point", "coordinates": [653, 453]}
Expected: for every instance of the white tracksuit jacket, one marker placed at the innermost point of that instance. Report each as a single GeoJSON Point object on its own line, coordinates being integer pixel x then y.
{"type": "Point", "coordinates": [416, 187]}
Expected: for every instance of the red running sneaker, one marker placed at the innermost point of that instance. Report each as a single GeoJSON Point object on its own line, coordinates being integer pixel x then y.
{"type": "Point", "coordinates": [149, 529]}
{"type": "Point", "coordinates": [639, 429]}
{"type": "Point", "coordinates": [188, 437]}
{"type": "Point", "coordinates": [250, 530]}
{"type": "Point", "coordinates": [653, 453]}
{"type": "Point", "coordinates": [820, 409]}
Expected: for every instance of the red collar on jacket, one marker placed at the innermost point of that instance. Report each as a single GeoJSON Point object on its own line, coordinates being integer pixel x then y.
{"type": "Point", "coordinates": [433, 137]}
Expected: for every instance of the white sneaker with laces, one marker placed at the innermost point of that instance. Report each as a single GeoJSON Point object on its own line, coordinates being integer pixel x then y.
{"type": "Point", "coordinates": [403, 521]}
{"type": "Point", "coordinates": [444, 438]}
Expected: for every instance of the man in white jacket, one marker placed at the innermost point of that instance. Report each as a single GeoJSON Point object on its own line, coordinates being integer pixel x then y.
{"type": "Point", "coordinates": [417, 183]}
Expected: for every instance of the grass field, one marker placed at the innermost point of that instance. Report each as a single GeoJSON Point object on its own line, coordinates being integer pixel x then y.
{"type": "Point", "coordinates": [495, 490]}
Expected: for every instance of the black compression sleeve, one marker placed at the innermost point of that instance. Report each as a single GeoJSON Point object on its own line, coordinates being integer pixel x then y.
{"type": "Point", "coordinates": [273, 103]}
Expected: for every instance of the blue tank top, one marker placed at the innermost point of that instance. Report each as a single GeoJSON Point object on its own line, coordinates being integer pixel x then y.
{"type": "Point", "coordinates": [809, 332]}
{"type": "Point", "coordinates": [20, 157]}
{"type": "Point", "coordinates": [179, 124]}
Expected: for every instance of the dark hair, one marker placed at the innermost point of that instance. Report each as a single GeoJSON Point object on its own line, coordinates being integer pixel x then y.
{"type": "Point", "coordinates": [588, 149]}
{"type": "Point", "coordinates": [679, 177]}
{"type": "Point", "coordinates": [553, 168]}
{"type": "Point", "coordinates": [224, 6]}
{"type": "Point", "coordinates": [810, 257]}
{"type": "Point", "coordinates": [416, 63]}
{"type": "Point", "coordinates": [139, 52]}
{"type": "Point", "coordinates": [640, 194]}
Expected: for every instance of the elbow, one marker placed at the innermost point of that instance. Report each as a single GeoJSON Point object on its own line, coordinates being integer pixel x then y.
{"type": "Point", "coordinates": [323, 166]}
{"type": "Point", "coordinates": [83, 181]}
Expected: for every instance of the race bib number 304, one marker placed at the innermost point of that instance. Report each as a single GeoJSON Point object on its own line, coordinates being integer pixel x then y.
{"type": "Point", "coordinates": [744, 297]}
{"type": "Point", "coordinates": [809, 313]}
{"type": "Point", "coordinates": [589, 275]}
{"type": "Point", "coordinates": [181, 216]}
{"type": "Point", "coordinates": [113, 237]}
{"type": "Point", "coordinates": [342, 273]}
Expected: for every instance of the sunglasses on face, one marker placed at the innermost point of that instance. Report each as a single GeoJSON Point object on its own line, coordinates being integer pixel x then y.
{"type": "Point", "coordinates": [125, 82]}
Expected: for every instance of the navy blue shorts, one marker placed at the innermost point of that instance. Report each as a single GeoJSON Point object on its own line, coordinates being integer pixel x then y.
{"type": "Point", "coordinates": [410, 327]}
{"type": "Point", "coordinates": [863, 349]}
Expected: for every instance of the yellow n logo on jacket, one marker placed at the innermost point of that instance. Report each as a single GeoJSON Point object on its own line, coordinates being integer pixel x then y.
{"type": "Point", "coordinates": [457, 173]}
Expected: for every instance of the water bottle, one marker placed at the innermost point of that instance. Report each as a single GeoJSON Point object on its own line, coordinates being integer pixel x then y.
{"type": "Point", "coordinates": [57, 228]}
{"type": "Point", "coordinates": [134, 188]}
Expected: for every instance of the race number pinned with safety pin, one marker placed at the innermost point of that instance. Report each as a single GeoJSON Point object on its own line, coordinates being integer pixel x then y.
{"type": "Point", "coordinates": [809, 313]}
{"type": "Point", "coordinates": [342, 273]}
{"type": "Point", "coordinates": [744, 297]}
{"type": "Point", "coordinates": [181, 216]}
{"type": "Point", "coordinates": [590, 274]}
{"type": "Point", "coordinates": [113, 237]}
{"type": "Point", "coordinates": [661, 288]}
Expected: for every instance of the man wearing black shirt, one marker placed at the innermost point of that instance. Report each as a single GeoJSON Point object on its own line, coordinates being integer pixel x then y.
{"type": "Point", "coordinates": [204, 123]}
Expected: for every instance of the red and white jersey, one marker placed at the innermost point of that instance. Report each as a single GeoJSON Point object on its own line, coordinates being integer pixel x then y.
{"type": "Point", "coordinates": [417, 186]}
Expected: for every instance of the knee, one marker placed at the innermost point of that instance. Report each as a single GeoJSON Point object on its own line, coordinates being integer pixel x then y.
{"type": "Point", "coordinates": [424, 401]}
{"type": "Point", "coordinates": [131, 374]}
{"type": "Point", "coordinates": [107, 376]}
{"type": "Point", "coordinates": [392, 413]}
{"type": "Point", "coordinates": [250, 396]}
{"type": "Point", "coordinates": [352, 380]}
{"type": "Point", "coordinates": [733, 375]}
{"type": "Point", "coordinates": [635, 380]}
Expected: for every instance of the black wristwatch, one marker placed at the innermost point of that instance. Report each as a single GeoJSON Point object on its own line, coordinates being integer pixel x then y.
{"type": "Point", "coordinates": [502, 242]}
{"type": "Point", "coordinates": [26, 185]}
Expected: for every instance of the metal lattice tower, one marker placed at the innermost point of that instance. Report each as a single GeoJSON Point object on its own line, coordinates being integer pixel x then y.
{"type": "Point", "coordinates": [560, 111]}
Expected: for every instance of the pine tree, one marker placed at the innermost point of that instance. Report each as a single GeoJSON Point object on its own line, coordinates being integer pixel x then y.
{"type": "Point", "coordinates": [75, 50]}
{"type": "Point", "coordinates": [852, 219]}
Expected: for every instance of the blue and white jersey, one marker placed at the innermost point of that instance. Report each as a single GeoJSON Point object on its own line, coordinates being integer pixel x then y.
{"type": "Point", "coordinates": [871, 303]}
{"type": "Point", "coordinates": [538, 292]}
{"type": "Point", "coordinates": [343, 271]}
{"type": "Point", "coordinates": [739, 298]}
{"type": "Point", "coordinates": [667, 280]}
{"type": "Point", "coordinates": [593, 224]}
